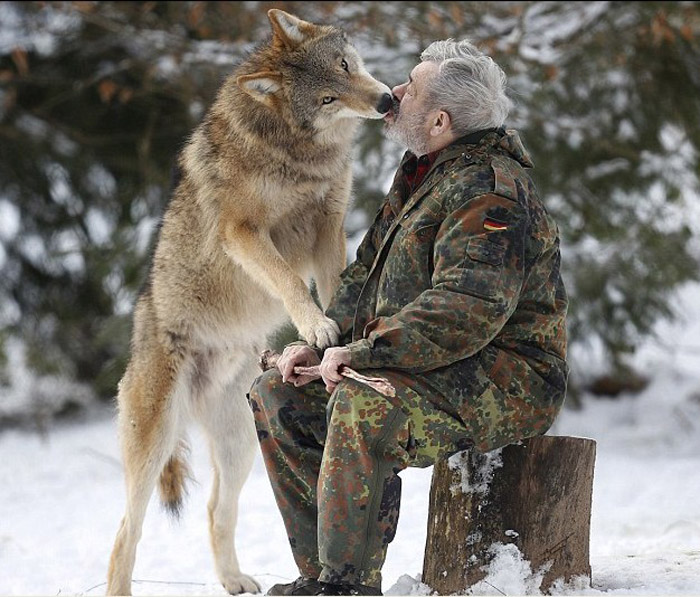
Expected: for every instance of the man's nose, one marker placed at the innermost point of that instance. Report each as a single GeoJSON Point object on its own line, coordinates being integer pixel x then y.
{"type": "Point", "coordinates": [399, 90]}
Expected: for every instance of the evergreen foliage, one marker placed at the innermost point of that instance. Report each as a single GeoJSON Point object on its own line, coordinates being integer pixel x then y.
{"type": "Point", "coordinates": [96, 98]}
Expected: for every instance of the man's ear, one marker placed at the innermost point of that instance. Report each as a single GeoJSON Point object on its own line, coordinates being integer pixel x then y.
{"type": "Point", "coordinates": [261, 86]}
{"type": "Point", "coordinates": [288, 30]}
{"type": "Point", "coordinates": [442, 123]}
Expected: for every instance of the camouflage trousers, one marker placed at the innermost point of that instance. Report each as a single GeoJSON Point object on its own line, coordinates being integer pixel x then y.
{"type": "Point", "coordinates": [333, 464]}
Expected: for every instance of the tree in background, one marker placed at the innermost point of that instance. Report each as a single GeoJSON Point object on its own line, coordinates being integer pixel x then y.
{"type": "Point", "coordinates": [96, 98]}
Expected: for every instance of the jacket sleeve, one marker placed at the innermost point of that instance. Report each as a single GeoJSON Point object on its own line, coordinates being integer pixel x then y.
{"type": "Point", "coordinates": [478, 257]}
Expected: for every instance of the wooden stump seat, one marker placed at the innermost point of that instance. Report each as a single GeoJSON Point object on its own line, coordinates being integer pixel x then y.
{"type": "Point", "coordinates": [536, 494]}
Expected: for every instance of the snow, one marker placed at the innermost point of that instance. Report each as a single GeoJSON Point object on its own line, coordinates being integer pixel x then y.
{"type": "Point", "coordinates": [39, 34]}
{"type": "Point", "coordinates": [42, 396]}
{"type": "Point", "coordinates": [62, 497]}
{"type": "Point", "coordinates": [487, 465]}
{"type": "Point", "coordinates": [100, 225]}
{"type": "Point", "coordinates": [9, 220]}
{"type": "Point", "coordinates": [509, 573]}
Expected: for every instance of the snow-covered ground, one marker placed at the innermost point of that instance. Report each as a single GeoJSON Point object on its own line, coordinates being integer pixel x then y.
{"type": "Point", "coordinates": [61, 499]}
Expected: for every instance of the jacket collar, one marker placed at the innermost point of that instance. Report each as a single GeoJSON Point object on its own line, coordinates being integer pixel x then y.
{"type": "Point", "coordinates": [467, 146]}
{"type": "Point", "coordinates": [457, 147]}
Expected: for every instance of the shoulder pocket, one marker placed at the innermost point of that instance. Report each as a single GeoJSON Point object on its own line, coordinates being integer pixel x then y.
{"type": "Point", "coordinates": [482, 268]}
{"type": "Point", "coordinates": [483, 250]}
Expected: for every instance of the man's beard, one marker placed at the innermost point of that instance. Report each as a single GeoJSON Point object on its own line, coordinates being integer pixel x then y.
{"type": "Point", "coordinates": [408, 131]}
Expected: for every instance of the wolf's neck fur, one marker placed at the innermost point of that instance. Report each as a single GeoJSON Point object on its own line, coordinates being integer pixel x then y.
{"type": "Point", "coordinates": [256, 133]}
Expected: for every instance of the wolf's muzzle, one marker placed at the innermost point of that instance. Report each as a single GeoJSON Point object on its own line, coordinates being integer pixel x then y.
{"type": "Point", "coordinates": [384, 104]}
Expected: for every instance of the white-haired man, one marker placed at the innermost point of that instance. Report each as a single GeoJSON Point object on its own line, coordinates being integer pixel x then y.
{"type": "Point", "coordinates": [455, 297]}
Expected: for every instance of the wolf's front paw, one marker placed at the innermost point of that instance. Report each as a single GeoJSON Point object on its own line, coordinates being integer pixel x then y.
{"type": "Point", "coordinates": [240, 583]}
{"type": "Point", "coordinates": [322, 332]}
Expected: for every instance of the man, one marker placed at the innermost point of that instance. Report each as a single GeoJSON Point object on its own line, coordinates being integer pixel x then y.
{"type": "Point", "coordinates": [455, 297]}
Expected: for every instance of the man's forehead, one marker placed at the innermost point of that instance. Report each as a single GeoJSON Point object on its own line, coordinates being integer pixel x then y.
{"type": "Point", "coordinates": [423, 70]}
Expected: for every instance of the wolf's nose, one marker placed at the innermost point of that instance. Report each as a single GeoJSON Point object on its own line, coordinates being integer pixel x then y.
{"type": "Point", "coordinates": [384, 104]}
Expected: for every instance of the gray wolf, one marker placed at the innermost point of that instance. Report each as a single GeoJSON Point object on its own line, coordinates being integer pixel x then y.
{"type": "Point", "coordinates": [258, 211]}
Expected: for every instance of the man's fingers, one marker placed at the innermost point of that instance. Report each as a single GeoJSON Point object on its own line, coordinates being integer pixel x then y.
{"type": "Point", "coordinates": [335, 377]}
{"type": "Point", "coordinates": [329, 372]}
{"type": "Point", "coordinates": [286, 368]}
{"type": "Point", "coordinates": [333, 360]}
{"type": "Point", "coordinates": [292, 357]}
{"type": "Point", "coordinates": [331, 376]}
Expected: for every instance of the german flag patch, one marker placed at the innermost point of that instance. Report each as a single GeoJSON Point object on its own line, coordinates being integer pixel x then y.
{"type": "Point", "coordinates": [494, 225]}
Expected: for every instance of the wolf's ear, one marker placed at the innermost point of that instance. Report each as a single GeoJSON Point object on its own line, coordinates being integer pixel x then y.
{"type": "Point", "coordinates": [288, 29]}
{"type": "Point", "coordinates": [260, 85]}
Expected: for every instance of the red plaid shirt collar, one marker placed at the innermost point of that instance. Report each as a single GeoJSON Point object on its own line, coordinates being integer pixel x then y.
{"type": "Point", "coordinates": [415, 169]}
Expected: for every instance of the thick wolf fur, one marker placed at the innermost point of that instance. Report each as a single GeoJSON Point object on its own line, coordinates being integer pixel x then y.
{"type": "Point", "coordinates": [258, 211]}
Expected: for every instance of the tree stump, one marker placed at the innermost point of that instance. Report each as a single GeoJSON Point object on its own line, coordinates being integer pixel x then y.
{"type": "Point", "coordinates": [536, 494]}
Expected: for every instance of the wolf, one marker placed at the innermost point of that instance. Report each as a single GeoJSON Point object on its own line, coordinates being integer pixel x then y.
{"type": "Point", "coordinates": [258, 211]}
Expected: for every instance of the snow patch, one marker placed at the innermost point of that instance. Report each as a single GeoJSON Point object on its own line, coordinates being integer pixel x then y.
{"type": "Point", "coordinates": [408, 585]}
{"type": "Point", "coordinates": [9, 220]}
{"type": "Point", "coordinates": [485, 465]}
{"type": "Point", "coordinates": [100, 225]}
{"type": "Point", "coordinates": [509, 573]}
{"type": "Point", "coordinates": [28, 396]}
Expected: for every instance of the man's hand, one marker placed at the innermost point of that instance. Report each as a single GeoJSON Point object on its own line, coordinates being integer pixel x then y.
{"type": "Point", "coordinates": [333, 360]}
{"type": "Point", "coordinates": [297, 356]}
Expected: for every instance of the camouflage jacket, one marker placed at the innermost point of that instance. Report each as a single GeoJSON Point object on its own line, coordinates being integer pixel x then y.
{"type": "Point", "coordinates": [467, 265]}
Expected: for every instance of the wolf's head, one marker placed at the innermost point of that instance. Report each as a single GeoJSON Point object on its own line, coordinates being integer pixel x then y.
{"type": "Point", "coordinates": [312, 77]}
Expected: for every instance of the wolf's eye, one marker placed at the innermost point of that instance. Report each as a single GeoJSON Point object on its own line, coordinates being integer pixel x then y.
{"type": "Point", "coordinates": [344, 65]}
{"type": "Point", "coordinates": [328, 99]}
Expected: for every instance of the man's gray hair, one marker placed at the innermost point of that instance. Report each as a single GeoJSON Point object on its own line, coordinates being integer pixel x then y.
{"type": "Point", "coordinates": [469, 86]}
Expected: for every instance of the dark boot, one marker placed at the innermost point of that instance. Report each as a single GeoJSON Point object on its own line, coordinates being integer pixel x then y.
{"type": "Point", "coordinates": [301, 586]}
{"type": "Point", "coordinates": [330, 589]}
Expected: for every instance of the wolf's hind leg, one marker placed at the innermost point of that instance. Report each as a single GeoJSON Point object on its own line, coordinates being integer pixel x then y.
{"type": "Point", "coordinates": [150, 429]}
{"type": "Point", "coordinates": [229, 426]}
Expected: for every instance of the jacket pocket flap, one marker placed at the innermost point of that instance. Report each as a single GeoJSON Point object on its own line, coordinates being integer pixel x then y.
{"type": "Point", "coordinates": [485, 251]}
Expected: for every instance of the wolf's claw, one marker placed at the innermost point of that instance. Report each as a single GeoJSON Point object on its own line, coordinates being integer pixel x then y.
{"type": "Point", "coordinates": [241, 583]}
{"type": "Point", "coordinates": [322, 333]}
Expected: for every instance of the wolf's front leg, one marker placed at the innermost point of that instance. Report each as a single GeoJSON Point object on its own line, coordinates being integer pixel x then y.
{"type": "Point", "coordinates": [252, 248]}
{"type": "Point", "coordinates": [329, 256]}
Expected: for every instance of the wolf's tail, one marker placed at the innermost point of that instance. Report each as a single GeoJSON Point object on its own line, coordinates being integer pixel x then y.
{"type": "Point", "coordinates": [171, 485]}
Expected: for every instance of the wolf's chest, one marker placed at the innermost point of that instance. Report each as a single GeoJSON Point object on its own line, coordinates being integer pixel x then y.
{"type": "Point", "coordinates": [301, 200]}
{"type": "Point", "coordinates": [296, 229]}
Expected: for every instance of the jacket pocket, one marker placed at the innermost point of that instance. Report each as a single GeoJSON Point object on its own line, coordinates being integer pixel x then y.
{"type": "Point", "coordinates": [408, 267]}
{"type": "Point", "coordinates": [483, 250]}
{"type": "Point", "coordinates": [426, 234]}
{"type": "Point", "coordinates": [483, 267]}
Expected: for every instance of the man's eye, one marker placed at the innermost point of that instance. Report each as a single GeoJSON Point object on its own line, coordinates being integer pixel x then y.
{"type": "Point", "coordinates": [344, 65]}
{"type": "Point", "coordinates": [328, 99]}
